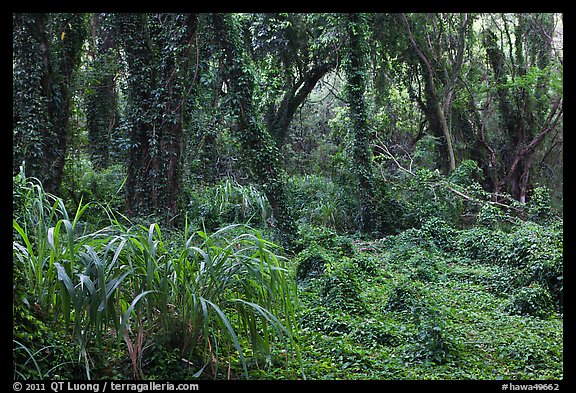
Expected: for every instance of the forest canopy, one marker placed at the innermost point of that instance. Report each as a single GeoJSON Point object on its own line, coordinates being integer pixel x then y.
{"type": "Point", "coordinates": [189, 174]}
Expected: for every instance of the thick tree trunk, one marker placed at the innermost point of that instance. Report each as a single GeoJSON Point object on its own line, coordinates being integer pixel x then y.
{"type": "Point", "coordinates": [54, 62]}
{"type": "Point", "coordinates": [156, 113]}
{"type": "Point", "coordinates": [280, 119]}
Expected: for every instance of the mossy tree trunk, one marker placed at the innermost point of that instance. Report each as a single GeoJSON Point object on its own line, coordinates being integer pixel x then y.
{"type": "Point", "coordinates": [355, 90]}
{"type": "Point", "coordinates": [157, 54]}
{"type": "Point", "coordinates": [46, 55]}
{"type": "Point", "coordinates": [260, 152]}
{"type": "Point", "coordinates": [102, 115]}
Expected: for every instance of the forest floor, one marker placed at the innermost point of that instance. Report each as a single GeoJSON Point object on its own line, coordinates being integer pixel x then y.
{"type": "Point", "coordinates": [418, 316]}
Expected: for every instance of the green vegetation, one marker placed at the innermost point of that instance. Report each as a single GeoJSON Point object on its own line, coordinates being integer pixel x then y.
{"type": "Point", "coordinates": [285, 196]}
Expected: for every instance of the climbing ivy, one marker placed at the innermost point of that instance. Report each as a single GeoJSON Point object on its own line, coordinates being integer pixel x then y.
{"type": "Point", "coordinates": [354, 93]}
{"type": "Point", "coordinates": [46, 54]}
{"type": "Point", "coordinates": [259, 151]}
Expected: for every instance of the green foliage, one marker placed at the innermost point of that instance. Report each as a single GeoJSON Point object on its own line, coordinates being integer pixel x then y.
{"type": "Point", "coordinates": [440, 233]}
{"type": "Point", "coordinates": [226, 203]}
{"type": "Point", "coordinates": [491, 217]}
{"type": "Point", "coordinates": [461, 286]}
{"type": "Point", "coordinates": [228, 292]}
{"type": "Point", "coordinates": [539, 207]}
{"type": "Point", "coordinates": [340, 287]}
{"type": "Point", "coordinates": [82, 182]}
{"type": "Point", "coordinates": [326, 238]}
{"type": "Point", "coordinates": [538, 252]}
{"type": "Point", "coordinates": [533, 300]}
{"type": "Point", "coordinates": [312, 261]}
{"type": "Point", "coordinates": [405, 296]}
{"type": "Point", "coordinates": [431, 344]}
{"type": "Point", "coordinates": [466, 173]}
{"type": "Point", "coordinates": [39, 350]}
{"type": "Point", "coordinates": [319, 201]}
{"type": "Point", "coordinates": [484, 245]}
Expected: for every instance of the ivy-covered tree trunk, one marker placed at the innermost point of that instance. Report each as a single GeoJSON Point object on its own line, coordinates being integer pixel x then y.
{"type": "Point", "coordinates": [30, 117]}
{"type": "Point", "coordinates": [355, 88]}
{"type": "Point", "coordinates": [259, 150]}
{"type": "Point", "coordinates": [102, 115]}
{"type": "Point", "coordinates": [46, 54]}
{"type": "Point", "coordinates": [157, 57]}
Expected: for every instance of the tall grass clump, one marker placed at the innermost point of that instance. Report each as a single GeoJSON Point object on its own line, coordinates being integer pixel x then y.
{"type": "Point", "coordinates": [229, 202]}
{"type": "Point", "coordinates": [222, 292]}
{"type": "Point", "coordinates": [224, 295]}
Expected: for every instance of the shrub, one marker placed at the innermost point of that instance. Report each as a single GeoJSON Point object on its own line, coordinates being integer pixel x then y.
{"type": "Point", "coordinates": [430, 342]}
{"type": "Point", "coordinates": [533, 300]}
{"type": "Point", "coordinates": [318, 201]}
{"type": "Point", "coordinates": [539, 206]}
{"type": "Point", "coordinates": [440, 232]}
{"type": "Point", "coordinates": [425, 268]}
{"type": "Point", "coordinates": [340, 287]}
{"type": "Point", "coordinates": [538, 252]}
{"type": "Point", "coordinates": [81, 182]}
{"type": "Point", "coordinates": [466, 174]}
{"type": "Point", "coordinates": [228, 202]}
{"type": "Point", "coordinates": [483, 245]}
{"type": "Point", "coordinates": [490, 217]}
{"type": "Point", "coordinates": [312, 262]}
{"type": "Point", "coordinates": [326, 238]}
{"type": "Point", "coordinates": [405, 296]}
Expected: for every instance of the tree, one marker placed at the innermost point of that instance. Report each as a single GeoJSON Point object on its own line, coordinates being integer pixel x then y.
{"type": "Point", "coordinates": [46, 54]}
{"type": "Point", "coordinates": [355, 88]}
{"type": "Point", "coordinates": [157, 48]}
{"type": "Point", "coordinates": [293, 53]}
{"type": "Point", "coordinates": [102, 112]}
{"type": "Point", "coordinates": [258, 148]}
{"type": "Point", "coordinates": [435, 38]}
{"type": "Point", "coordinates": [529, 108]}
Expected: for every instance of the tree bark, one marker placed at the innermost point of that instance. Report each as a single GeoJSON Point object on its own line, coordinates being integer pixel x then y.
{"type": "Point", "coordinates": [260, 151]}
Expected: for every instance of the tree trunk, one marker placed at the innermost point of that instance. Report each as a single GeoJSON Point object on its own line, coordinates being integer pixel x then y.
{"type": "Point", "coordinates": [279, 120]}
{"type": "Point", "coordinates": [260, 151]}
{"type": "Point", "coordinates": [355, 98]}
{"type": "Point", "coordinates": [53, 59]}
{"type": "Point", "coordinates": [156, 110]}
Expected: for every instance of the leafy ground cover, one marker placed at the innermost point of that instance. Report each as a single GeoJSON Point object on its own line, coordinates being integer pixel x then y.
{"type": "Point", "coordinates": [403, 308]}
{"type": "Point", "coordinates": [432, 302]}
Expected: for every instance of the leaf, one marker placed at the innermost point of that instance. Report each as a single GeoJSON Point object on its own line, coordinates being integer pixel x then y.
{"type": "Point", "coordinates": [129, 310]}
{"type": "Point", "coordinates": [237, 345]}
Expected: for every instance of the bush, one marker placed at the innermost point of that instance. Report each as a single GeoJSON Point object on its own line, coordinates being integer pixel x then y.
{"type": "Point", "coordinates": [467, 173]}
{"type": "Point", "coordinates": [228, 202]}
{"type": "Point", "coordinates": [340, 287]}
{"type": "Point", "coordinates": [312, 262]}
{"type": "Point", "coordinates": [405, 296]}
{"type": "Point", "coordinates": [430, 343]}
{"type": "Point", "coordinates": [533, 300]}
{"type": "Point", "coordinates": [441, 233]}
{"type": "Point", "coordinates": [539, 206]}
{"type": "Point", "coordinates": [425, 268]}
{"type": "Point", "coordinates": [483, 245]}
{"type": "Point", "coordinates": [318, 201]}
{"type": "Point", "coordinates": [326, 238]}
{"type": "Point", "coordinates": [538, 252]}
{"type": "Point", "coordinates": [82, 182]}
{"type": "Point", "coordinates": [490, 217]}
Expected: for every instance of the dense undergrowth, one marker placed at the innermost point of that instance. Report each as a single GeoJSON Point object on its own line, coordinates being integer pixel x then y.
{"type": "Point", "coordinates": [97, 296]}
